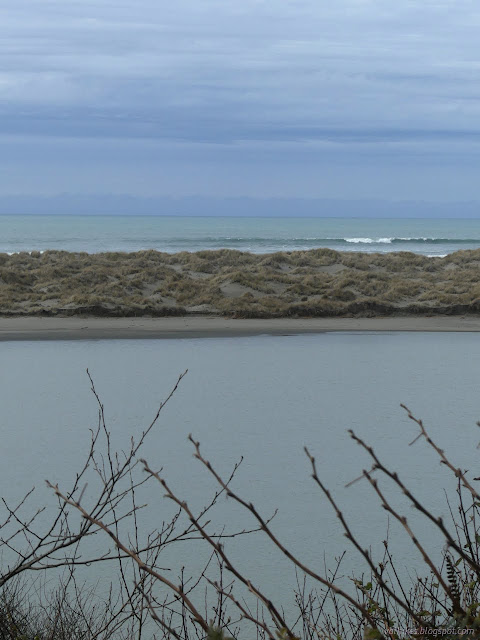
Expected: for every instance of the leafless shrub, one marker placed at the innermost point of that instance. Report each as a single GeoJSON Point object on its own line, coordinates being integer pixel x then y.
{"type": "Point", "coordinates": [382, 605]}
{"type": "Point", "coordinates": [44, 588]}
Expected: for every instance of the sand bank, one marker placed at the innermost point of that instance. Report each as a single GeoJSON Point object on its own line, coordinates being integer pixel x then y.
{"type": "Point", "coordinates": [300, 284]}
{"type": "Point", "coordinates": [74, 328]}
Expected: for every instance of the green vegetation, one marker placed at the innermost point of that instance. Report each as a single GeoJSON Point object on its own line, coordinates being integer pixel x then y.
{"type": "Point", "coordinates": [320, 282]}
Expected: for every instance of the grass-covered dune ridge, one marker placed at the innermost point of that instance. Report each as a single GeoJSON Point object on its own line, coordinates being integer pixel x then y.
{"type": "Point", "coordinates": [319, 282]}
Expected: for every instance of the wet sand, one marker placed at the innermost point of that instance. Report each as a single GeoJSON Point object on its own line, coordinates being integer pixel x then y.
{"type": "Point", "coordinates": [84, 328]}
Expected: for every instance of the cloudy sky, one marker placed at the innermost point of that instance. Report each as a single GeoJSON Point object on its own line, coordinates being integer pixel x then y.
{"type": "Point", "coordinates": [315, 98]}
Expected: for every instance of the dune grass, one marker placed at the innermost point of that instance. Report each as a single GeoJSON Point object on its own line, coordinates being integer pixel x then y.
{"type": "Point", "coordinates": [319, 282]}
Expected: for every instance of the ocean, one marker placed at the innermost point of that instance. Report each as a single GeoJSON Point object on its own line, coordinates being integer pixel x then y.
{"type": "Point", "coordinates": [93, 234]}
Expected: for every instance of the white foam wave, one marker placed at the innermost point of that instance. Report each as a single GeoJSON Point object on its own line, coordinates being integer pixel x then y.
{"type": "Point", "coordinates": [369, 240]}
{"type": "Point", "coordinates": [16, 253]}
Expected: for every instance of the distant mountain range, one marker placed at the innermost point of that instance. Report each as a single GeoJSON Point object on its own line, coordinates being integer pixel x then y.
{"type": "Point", "coordinates": [72, 204]}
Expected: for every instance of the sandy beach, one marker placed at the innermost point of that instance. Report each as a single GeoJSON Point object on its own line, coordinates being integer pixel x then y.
{"type": "Point", "coordinates": [75, 328]}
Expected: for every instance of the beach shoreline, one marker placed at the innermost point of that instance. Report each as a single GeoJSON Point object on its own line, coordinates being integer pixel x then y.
{"type": "Point", "coordinates": [92, 328]}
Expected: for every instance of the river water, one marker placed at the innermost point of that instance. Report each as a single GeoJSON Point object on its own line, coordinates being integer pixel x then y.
{"type": "Point", "coordinates": [263, 398]}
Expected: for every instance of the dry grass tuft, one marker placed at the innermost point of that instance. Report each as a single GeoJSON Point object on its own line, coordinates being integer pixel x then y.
{"type": "Point", "coordinates": [320, 282]}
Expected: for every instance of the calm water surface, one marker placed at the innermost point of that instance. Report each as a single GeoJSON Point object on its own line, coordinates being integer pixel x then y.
{"type": "Point", "coordinates": [263, 398]}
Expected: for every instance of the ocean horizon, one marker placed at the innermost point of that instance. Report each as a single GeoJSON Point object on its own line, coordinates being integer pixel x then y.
{"type": "Point", "coordinates": [171, 234]}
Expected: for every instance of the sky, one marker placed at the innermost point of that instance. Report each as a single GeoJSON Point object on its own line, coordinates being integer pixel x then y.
{"type": "Point", "coordinates": [349, 99]}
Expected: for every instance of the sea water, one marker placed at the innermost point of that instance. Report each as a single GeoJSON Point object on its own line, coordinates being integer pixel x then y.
{"type": "Point", "coordinates": [263, 398]}
{"type": "Point", "coordinates": [257, 235]}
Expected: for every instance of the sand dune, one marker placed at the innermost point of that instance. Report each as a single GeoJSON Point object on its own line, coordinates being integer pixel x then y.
{"type": "Point", "coordinates": [300, 284]}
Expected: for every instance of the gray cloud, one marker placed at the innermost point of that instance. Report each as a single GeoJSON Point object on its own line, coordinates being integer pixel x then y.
{"type": "Point", "coordinates": [351, 82]}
